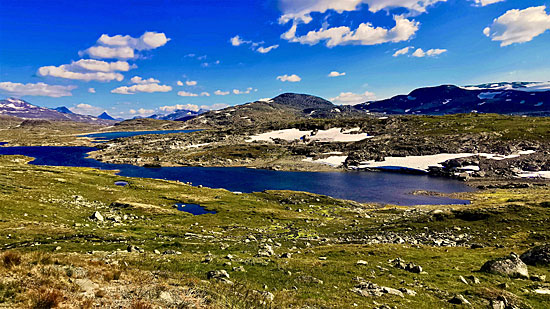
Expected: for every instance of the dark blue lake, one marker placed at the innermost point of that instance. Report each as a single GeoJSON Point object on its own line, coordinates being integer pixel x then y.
{"type": "Point", "coordinates": [105, 136]}
{"type": "Point", "coordinates": [194, 209]}
{"type": "Point", "coordinates": [387, 188]}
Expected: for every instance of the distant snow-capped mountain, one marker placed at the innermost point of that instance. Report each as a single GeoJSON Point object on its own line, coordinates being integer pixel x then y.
{"type": "Point", "coordinates": [179, 115]}
{"type": "Point", "coordinates": [520, 98]}
{"type": "Point", "coordinates": [21, 109]}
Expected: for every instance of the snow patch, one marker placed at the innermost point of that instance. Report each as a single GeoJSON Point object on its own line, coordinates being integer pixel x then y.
{"type": "Point", "coordinates": [335, 161]}
{"type": "Point", "coordinates": [330, 135]}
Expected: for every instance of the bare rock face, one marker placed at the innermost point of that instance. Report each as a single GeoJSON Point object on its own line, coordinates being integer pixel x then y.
{"type": "Point", "coordinates": [511, 266]}
{"type": "Point", "coordinates": [537, 256]}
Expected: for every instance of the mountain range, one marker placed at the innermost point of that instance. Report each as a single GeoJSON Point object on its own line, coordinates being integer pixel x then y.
{"type": "Point", "coordinates": [24, 110]}
{"type": "Point", "coordinates": [520, 98]}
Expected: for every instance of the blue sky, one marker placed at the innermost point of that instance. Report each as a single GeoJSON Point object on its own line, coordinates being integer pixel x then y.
{"type": "Point", "coordinates": [126, 57]}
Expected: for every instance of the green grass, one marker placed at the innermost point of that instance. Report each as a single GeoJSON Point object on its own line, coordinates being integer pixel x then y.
{"type": "Point", "coordinates": [39, 211]}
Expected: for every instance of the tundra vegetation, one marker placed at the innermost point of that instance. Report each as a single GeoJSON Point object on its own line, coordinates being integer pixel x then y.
{"type": "Point", "coordinates": [71, 237]}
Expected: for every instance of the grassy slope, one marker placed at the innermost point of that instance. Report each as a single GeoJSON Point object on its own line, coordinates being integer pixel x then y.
{"type": "Point", "coordinates": [42, 208]}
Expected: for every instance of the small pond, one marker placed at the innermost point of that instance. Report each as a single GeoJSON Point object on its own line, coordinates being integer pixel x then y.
{"type": "Point", "coordinates": [194, 209]}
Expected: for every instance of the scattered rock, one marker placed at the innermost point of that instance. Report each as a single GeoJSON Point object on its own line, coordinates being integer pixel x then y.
{"type": "Point", "coordinates": [265, 251]}
{"type": "Point", "coordinates": [410, 267]}
{"type": "Point", "coordinates": [459, 300]}
{"type": "Point", "coordinates": [537, 256]}
{"type": "Point", "coordinates": [372, 289]}
{"type": "Point", "coordinates": [511, 266]}
{"type": "Point", "coordinates": [217, 274]}
{"type": "Point", "coordinates": [97, 216]}
{"type": "Point", "coordinates": [87, 286]}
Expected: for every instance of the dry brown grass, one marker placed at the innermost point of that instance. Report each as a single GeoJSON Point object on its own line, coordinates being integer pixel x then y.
{"type": "Point", "coordinates": [46, 298]}
{"type": "Point", "coordinates": [11, 258]}
{"type": "Point", "coordinates": [46, 280]}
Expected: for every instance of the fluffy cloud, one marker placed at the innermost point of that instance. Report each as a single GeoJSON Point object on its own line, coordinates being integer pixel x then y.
{"type": "Point", "coordinates": [91, 90]}
{"type": "Point", "coordinates": [148, 40]}
{"type": "Point", "coordinates": [141, 81]}
{"type": "Point", "coordinates": [519, 26]}
{"type": "Point", "coordinates": [191, 83]}
{"type": "Point", "coordinates": [247, 91]}
{"type": "Point", "coordinates": [289, 78]}
{"type": "Point", "coordinates": [38, 89]}
{"type": "Point", "coordinates": [265, 50]}
{"type": "Point", "coordinates": [63, 72]}
{"type": "Point", "coordinates": [100, 66]}
{"type": "Point", "coordinates": [104, 52]}
{"type": "Point", "coordinates": [300, 10]}
{"type": "Point", "coordinates": [215, 106]}
{"type": "Point", "coordinates": [149, 85]}
{"type": "Point", "coordinates": [187, 94]}
{"type": "Point", "coordinates": [173, 108]}
{"type": "Point", "coordinates": [429, 53]}
{"type": "Point", "coordinates": [179, 83]}
{"type": "Point", "coordinates": [350, 98]}
{"type": "Point", "coordinates": [88, 70]}
{"type": "Point", "coordinates": [219, 92]}
{"type": "Point", "coordinates": [336, 74]}
{"type": "Point", "coordinates": [365, 34]}
{"type": "Point", "coordinates": [238, 41]}
{"type": "Point", "coordinates": [86, 109]}
{"type": "Point", "coordinates": [141, 112]}
{"type": "Point", "coordinates": [205, 94]}
{"type": "Point", "coordinates": [124, 47]}
{"type": "Point", "coordinates": [402, 51]}
{"type": "Point", "coordinates": [486, 2]}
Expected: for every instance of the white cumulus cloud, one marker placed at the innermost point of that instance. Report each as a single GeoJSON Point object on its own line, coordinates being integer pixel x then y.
{"type": "Point", "coordinates": [191, 83]}
{"type": "Point", "coordinates": [124, 47]}
{"type": "Point", "coordinates": [365, 34]}
{"type": "Point", "coordinates": [300, 10]}
{"type": "Point", "coordinates": [336, 74]}
{"type": "Point", "coordinates": [88, 70]}
{"type": "Point", "coordinates": [86, 109]}
{"type": "Point", "coordinates": [140, 80]}
{"type": "Point", "coordinates": [487, 2]}
{"type": "Point", "coordinates": [187, 94]}
{"type": "Point", "coordinates": [265, 50]}
{"type": "Point", "coordinates": [350, 98]}
{"type": "Point", "coordinates": [219, 92]}
{"type": "Point", "coordinates": [238, 41]}
{"type": "Point", "coordinates": [149, 85]}
{"type": "Point", "coordinates": [519, 26]}
{"type": "Point", "coordinates": [141, 112]}
{"type": "Point", "coordinates": [402, 51]}
{"type": "Point", "coordinates": [419, 53]}
{"type": "Point", "coordinates": [91, 90]}
{"type": "Point", "coordinates": [37, 89]}
{"type": "Point", "coordinates": [179, 83]}
{"type": "Point", "coordinates": [289, 78]}
{"type": "Point", "coordinates": [247, 91]}
{"type": "Point", "coordinates": [173, 108]}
